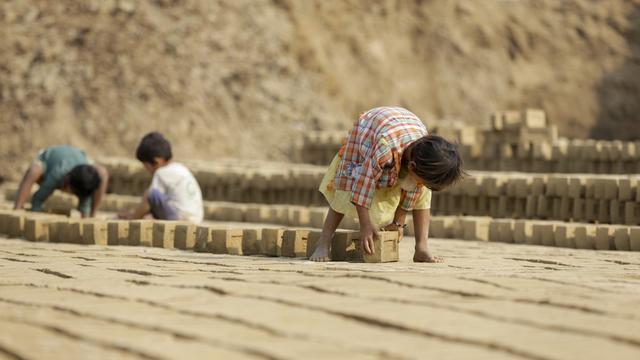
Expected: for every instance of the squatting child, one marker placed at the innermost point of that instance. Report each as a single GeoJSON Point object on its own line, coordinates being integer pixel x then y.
{"type": "Point", "coordinates": [174, 193]}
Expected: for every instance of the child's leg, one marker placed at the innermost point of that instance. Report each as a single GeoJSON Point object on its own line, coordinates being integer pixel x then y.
{"type": "Point", "coordinates": [421, 219]}
{"type": "Point", "coordinates": [323, 248]}
{"type": "Point", "coordinates": [159, 206]}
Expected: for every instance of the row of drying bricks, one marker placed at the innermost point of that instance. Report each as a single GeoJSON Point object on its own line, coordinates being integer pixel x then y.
{"type": "Point", "coordinates": [293, 243]}
{"type": "Point", "coordinates": [537, 232]}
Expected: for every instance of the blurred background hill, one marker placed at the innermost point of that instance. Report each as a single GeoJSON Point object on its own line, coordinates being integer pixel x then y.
{"type": "Point", "coordinates": [245, 78]}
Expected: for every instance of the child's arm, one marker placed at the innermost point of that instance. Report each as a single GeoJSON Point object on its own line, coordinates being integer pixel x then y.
{"type": "Point", "coordinates": [139, 212]}
{"type": "Point", "coordinates": [367, 230]}
{"type": "Point", "coordinates": [24, 190]}
{"type": "Point", "coordinates": [99, 193]}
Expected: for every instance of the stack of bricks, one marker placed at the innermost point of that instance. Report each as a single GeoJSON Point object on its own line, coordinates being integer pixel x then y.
{"type": "Point", "coordinates": [514, 141]}
{"type": "Point", "coordinates": [292, 243]}
{"type": "Point", "coordinates": [538, 232]}
{"type": "Point", "coordinates": [612, 199]}
{"type": "Point", "coordinates": [245, 182]}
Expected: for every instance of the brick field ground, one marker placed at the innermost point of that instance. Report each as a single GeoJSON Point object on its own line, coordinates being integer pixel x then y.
{"type": "Point", "coordinates": [488, 301]}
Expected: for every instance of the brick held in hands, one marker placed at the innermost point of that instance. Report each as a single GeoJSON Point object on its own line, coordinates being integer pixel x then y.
{"type": "Point", "coordinates": [251, 241]}
{"type": "Point", "coordinates": [118, 232]}
{"type": "Point", "coordinates": [184, 236]}
{"type": "Point", "coordinates": [272, 241]}
{"type": "Point", "coordinates": [294, 243]}
{"type": "Point", "coordinates": [140, 232]}
{"type": "Point", "coordinates": [386, 248]}
{"type": "Point", "coordinates": [94, 233]}
{"type": "Point", "coordinates": [226, 241]}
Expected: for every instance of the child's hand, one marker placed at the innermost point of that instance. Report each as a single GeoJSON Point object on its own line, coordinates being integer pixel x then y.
{"type": "Point", "coordinates": [367, 234]}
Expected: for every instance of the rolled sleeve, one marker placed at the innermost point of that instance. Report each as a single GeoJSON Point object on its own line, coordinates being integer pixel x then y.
{"type": "Point", "coordinates": [418, 199]}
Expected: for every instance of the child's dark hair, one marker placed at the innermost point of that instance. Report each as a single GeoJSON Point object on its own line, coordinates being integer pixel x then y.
{"type": "Point", "coordinates": [437, 161]}
{"type": "Point", "coordinates": [153, 145]}
{"type": "Point", "coordinates": [84, 180]}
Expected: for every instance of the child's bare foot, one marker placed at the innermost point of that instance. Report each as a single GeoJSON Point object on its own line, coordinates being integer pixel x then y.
{"type": "Point", "coordinates": [322, 252]}
{"type": "Point", "coordinates": [422, 255]}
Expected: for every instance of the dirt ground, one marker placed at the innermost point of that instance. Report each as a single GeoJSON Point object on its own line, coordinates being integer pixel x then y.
{"type": "Point", "coordinates": [488, 301]}
{"type": "Point", "coordinates": [245, 78]}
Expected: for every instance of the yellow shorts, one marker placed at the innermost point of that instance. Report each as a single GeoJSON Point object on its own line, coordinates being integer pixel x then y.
{"type": "Point", "coordinates": [385, 201]}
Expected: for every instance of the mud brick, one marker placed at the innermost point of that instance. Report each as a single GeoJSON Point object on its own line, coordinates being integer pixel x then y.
{"type": "Point", "coordinates": [494, 232]}
{"type": "Point", "coordinates": [385, 248]}
{"type": "Point", "coordinates": [590, 187]}
{"type": "Point", "coordinates": [272, 241]}
{"type": "Point", "coordinates": [294, 243]}
{"type": "Point", "coordinates": [118, 232]}
{"type": "Point", "coordinates": [564, 212]}
{"type": "Point", "coordinates": [251, 241]}
{"type": "Point", "coordinates": [578, 210]}
{"type": "Point", "coordinates": [301, 217]}
{"type": "Point", "coordinates": [75, 232]}
{"type": "Point", "coordinates": [258, 214]}
{"type": "Point", "coordinates": [505, 230]}
{"type": "Point", "coordinates": [627, 189]}
{"type": "Point", "coordinates": [317, 218]}
{"type": "Point", "coordinates": [472, 186]}
{"type": "Point", "coordinates": [140, 233]}
{"type": "Point", "coordinates": [585, 236]}
{"type": "Point", "coordinates": [561, 187]}
{"type": "Point", "coordinates": [555, 206]}
{"type": "Point", "coordinates": [164, 234]}
{"type": "Point", "coordinates": [36, 228]}
{"type": "Point", "coordinates": [184, 236]}
{"type": "Point", "coordinates": [531, 207]}
{"type": "Point", "coordinates": [65, 233]}
{"type": "Point", "coordinates": [312, 242]}
{"type": "Point", "coordinates": [610, 191]}
{"type": "Point", "coordinates": [576, 187]}
{"type": "Point", "coordinates": [4, 218]}
{"type": "Point", "coordinates": [616, 211]}
{"type": "Point", "coordinates": [279, 215]}
{"type": "Point", "coordinates": [483, 205]}
{"type": "Point", "coordinates": [226, 241]}
{"type": "Point", "coordinates": [590, 210]}
{"type": "Point", "coordinates": [522, 231]}
{"type": "Point", "coordinates": [54, 230]}
{"type": "Point", "coordinates": [621, 238]}
{"type": "Point", "coordinates": [468, 205]}
{"type": "Point", "coordinates": [345, 246]}
{"type": "Point", "coordinates": [634, 238]}
{"type": "Point", "coordinates": [604, 216]}
{"type": "Point", "coordinates": [564, 236]}
{"type": "Point", "coordinates": [437, 228]}
{"type": "Point", "coordinates": [542, 233]}
{"type": "Point", "coordinates": [203, 238]}
{"type": "Point", "coordinates": [494, 185]}
{"type": "Point", "coordinates": [605, 237]}
{"type": "Point", "coordinates": [544, 208]}
{"type": "Point", "coordinates": [631, 213]}
{"type": "Point", "coordinates": [94, 233]}
{"type": "Point", "coordinates": [534, 119]}
{"type": "Point", "coordinates": [475, 228]}
{"type": "Point", "coordinates": [598, 188]}
{"type": "Point", "coordinates": [519, 208]}
{"type": "Point", "coordinates": [538, 184]}
{"type": "Point", "coordinates": [505, 206]}
{"type": "Point", "coordinates": [15, 225]}
{"type": "Point", "coordinates": [494, 204]}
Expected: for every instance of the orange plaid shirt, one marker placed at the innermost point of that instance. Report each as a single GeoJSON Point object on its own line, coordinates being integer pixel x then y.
{"type": "Point", "coordinates": [372, 155]}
